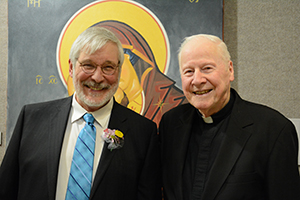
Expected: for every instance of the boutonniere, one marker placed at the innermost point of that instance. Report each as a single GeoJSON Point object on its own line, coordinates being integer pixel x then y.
{"type": "Point", "coordinates": [114, 138]}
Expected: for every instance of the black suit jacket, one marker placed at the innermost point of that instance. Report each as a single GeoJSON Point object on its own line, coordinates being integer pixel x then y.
{"type": "Point", "coordinates": [30, 167]}
{"type": "Point", "coordinates": [257, 158]}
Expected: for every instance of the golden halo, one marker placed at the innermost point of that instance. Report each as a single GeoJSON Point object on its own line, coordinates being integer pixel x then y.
{"type": "Point", "coordinates": [129, 12]}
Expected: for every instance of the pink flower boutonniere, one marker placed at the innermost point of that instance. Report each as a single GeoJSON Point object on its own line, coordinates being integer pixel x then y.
{"type": "Point", "coordinates": [114, 138]}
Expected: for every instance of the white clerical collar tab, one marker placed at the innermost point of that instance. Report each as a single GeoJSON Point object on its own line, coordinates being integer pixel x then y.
{"type": "Point", "coordinates": [208, 120]}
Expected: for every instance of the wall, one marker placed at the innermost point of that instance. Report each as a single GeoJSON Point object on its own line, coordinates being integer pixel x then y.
{"type": "Point", "coordinates": [3, 72]}
{"type": "Point", "coordinates": [262, 37]}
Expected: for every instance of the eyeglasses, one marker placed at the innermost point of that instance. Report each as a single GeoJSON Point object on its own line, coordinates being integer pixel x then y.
{"type": "Point", "coordinates": [90, 68]}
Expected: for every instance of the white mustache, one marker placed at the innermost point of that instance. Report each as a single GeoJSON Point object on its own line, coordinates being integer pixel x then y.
{"type": "Point", "coordinates": [99, 86]}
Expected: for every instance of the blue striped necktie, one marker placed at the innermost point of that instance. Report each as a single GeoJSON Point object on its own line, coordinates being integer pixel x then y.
{"type": "Point", "coordinates": [80, 180]}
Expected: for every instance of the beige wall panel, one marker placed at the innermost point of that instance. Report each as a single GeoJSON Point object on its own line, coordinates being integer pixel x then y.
{"type": "Point", "coordinates": [3, 72]}
{"type": "Point", "coordinates": [263, 37]}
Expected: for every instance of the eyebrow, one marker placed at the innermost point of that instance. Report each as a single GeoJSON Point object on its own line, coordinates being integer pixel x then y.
{"type": "Point", "coordinates": [105, 62]}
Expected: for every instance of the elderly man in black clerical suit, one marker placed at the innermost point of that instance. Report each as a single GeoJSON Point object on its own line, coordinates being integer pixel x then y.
{"type": "Point", "coordinates": [117, 156]}
{"type": "Point", "coordinates": [219, 146]}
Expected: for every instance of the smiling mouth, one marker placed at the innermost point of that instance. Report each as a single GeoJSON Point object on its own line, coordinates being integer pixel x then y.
{"type": "Point", "coordinates": [93, 88]}
{"type": "Point", "coordinates": [97, 88]}
{"type": "Point", "coordinates": [202, 92]}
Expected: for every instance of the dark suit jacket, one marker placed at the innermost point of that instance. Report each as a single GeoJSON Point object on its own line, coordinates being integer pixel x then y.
{"type": "Point", "coordinates": [257, 158]}
{"type": "Point", "coordinates": [30, 167]}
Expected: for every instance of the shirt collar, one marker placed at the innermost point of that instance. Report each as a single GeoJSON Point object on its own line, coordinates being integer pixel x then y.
{"type": "Point", "coordinates": [219, 116]}
{"type": "Point", "coordinates": [101, 115]}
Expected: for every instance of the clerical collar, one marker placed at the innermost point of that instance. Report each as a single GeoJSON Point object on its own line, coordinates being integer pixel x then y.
{"type": "Point", "coordinates": [208, 120]}
{"type": "Point", "coordinates": [219, 116]}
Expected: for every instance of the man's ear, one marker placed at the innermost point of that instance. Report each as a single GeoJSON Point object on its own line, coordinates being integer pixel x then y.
{"type": "Point", "coordinates": [231, 71]}
{"type": "Point", "coordinates": [70, 68]}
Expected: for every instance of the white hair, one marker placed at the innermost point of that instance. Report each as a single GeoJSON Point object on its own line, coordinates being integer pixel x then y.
{"type": "Point", "coordinates": [93, 39]}
{"type": "Point", "coordinates": [221, 45]}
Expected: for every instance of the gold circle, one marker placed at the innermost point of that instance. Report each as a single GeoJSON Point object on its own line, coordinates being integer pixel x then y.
{"type": "Point", "coordinates": [134, 14]}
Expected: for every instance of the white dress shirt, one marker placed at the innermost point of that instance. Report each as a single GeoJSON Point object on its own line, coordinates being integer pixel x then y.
{"type": "Point", "coordinates": [74, 126]}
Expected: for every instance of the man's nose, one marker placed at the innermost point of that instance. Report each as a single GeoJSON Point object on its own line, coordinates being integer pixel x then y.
{"type": "Point", "coordinates": [98, 75]}
{"type": "Point", "coordinates": [199, 78]}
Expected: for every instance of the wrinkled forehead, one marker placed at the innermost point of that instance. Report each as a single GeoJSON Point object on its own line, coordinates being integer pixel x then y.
{"type": "Point", "coordinates": [201, 47]}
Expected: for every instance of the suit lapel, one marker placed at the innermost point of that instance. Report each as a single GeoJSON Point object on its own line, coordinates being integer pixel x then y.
{"type": "Point", "coordinates": [57, 125]}
{"type": "Point", "coordinates": [117, 121]}
{"type": "Point", "coordinates": [236, 137]}
{"type": "Point", "coordinates": [184, 129]}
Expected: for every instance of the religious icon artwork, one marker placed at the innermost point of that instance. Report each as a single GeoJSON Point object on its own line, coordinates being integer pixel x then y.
{"type": "Point", "coordinates": [143, 87]}
{"type": "Point", "coordinates": [41, 34]}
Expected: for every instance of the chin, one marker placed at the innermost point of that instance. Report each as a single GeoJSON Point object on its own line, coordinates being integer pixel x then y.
{"type": "Point", "coordinates": [92, 102]}
{"type": "Point", "coordinates": [97, 99]}
{"type": "Point", "coordinates": [200, 106]}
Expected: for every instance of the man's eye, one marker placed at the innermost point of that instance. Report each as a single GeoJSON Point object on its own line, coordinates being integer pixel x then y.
{"type": "Point", "coordinates": [207, 68]}
{"type": "Point", "coordinates": [108, 68]}
{"type": "Point", "coordinates": [188, 72]}
{"type": "Point", "coordinates": [88, 66]}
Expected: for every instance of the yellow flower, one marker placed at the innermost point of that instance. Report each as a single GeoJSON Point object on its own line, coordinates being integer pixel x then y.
{"type": "Point", "coordinates": [119, 134]}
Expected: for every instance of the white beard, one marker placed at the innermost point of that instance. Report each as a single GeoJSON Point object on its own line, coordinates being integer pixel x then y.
{"type": "Point", "coordinates": [91, 102]}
